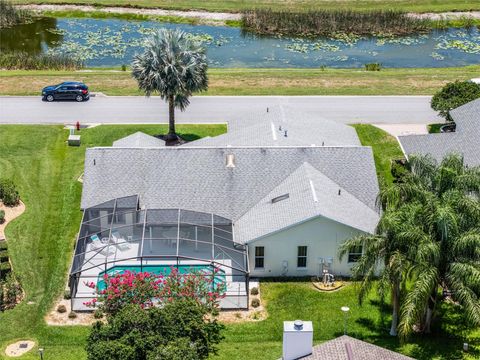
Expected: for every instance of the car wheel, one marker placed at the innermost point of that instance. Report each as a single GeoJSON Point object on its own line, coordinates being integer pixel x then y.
{"type": "Point", "coordinates": [49, 98]}
{"type": "Point", "coordinates": [79, 98]}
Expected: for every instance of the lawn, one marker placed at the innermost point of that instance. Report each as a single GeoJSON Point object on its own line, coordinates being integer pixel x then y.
{"type": "Point", "coordinates": [41, 244]}
{"type": "Point", "coordinates": [257, 81]}
{"type": "Point", "coordinates": [41, 240]}
{"type": "Point", "coordinates": [385, 148]}
{"type": "Point", "coordinates": [238, 5]}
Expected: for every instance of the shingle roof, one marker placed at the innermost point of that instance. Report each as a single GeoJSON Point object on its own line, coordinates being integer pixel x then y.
{"type": "Point", "coordinates": [263, 129]}
{"type": "Point", "coordinates": [465, 140]}
{"type": "Point", "coordinates": [337, 349]}
{"type": "Point", "coordinates": [197, 178]}
{"type": "Point", "coordinates": [139, 140]}
{"type": "Point", "coordinates": [310, 194]}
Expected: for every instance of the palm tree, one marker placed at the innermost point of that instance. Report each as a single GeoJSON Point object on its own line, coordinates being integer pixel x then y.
{"type": "Point", "coordinates": [446, 230]}
{"type": "Point", "coordinates": [384, 254]}
{"type": "Point", "coordinates": [174, 66]}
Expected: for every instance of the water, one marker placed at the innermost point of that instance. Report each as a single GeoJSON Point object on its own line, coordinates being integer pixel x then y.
{"type": "Point", "coordinates": [113, 42]}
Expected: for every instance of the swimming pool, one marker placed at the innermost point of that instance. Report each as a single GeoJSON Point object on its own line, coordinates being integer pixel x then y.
{"type": "Point", "coordinates": [164, 270]}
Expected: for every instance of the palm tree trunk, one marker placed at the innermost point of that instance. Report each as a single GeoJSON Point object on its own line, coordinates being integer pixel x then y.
{"type": "Point", "coordinates": [429, 315]}
{"type": "Point", "coordinates": [396, 308]}
{"type": "Point", "coordinates": [172, 135]}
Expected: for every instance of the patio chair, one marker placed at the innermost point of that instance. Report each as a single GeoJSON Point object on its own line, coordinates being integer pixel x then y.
{"type": "Point", "coordinates": [98, 244]}
{"type": "Point", "coordinates": [120, 242]}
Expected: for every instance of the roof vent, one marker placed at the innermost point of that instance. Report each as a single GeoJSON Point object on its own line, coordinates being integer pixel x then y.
{"type": "Point", "coordinates": [280, 198]}
{"type": "Point", "coordinates": [286, 133]}
{"type": "Point", "coordinates": [280, 128]}
{"type": "Point", "coordinates": [339, 191]}
{"type": "Point", "coordinates": [230, 161]}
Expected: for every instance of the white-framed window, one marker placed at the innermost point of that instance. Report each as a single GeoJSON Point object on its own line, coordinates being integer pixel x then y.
{"type": "Point", "coordinates": [302, 257]}
{"type": "Point", "coordinates": [354, 254]}
{"type": "Point", "coordinates": [259, 257]}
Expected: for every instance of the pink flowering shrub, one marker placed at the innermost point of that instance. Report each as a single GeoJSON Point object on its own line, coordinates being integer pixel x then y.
{"type": "Point", "coordinates": [146, 289]}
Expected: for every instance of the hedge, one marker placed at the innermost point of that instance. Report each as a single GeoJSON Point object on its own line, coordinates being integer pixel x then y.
{"type": "Point", "coordinates": [8, 192]}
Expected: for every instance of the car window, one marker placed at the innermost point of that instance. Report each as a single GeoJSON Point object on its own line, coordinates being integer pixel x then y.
{"type": "Point", "coordinates": [62, 88]}
{"type": "Point", "coordinates": [71, 88]}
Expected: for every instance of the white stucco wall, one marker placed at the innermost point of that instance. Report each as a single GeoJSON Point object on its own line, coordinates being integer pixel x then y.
{"type": "Point", "coordinates": [322, 236]}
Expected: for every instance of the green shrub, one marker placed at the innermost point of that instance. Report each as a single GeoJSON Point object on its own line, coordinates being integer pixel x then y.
{"type": "Point", "coordinates": [8, 192]}
{"type": "Point", "coordinates": [5, 269]}
{"type": "Point", "coordinates": [124, 67]}
{"type": "Point", "coordinates": [2, 216]}
{"type": "Point", "coordinates": [61, 309]}
{"type": "Point", "coordinates": [12, 291]}
{"type": "Point", "coordinates": [3, 256]}
{"type": "Point", "coordinates": [254, 291]}
{"type": "Point", "coordinates": [72, 315]}
{"type": "Point", "coordinates": [453, 95]}
{"type": "Point", "coordinates": [98, 314]}
{"type": "Point", "coordinates": [255, 303]}
{"type": "Point", "coordinates": [3, 245]}
{"type": "Point", "coordinates": [373, 67]}
{"type": "Point", "coordinates": [67, 295]}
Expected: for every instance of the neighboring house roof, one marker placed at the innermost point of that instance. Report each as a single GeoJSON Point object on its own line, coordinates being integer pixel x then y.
{"type": "Point", "coordinates": [263, 129]}
{"type": "Point", "coordinates": [308, 193]}
{"type": "Point", "coordinates": [139, 140]}
{"type": "Point", "coordinates": [341, 347]}
{"type": "Point", "coordinates": [464, 141]}
{"type": "Point", "coordinates": [198, 179]}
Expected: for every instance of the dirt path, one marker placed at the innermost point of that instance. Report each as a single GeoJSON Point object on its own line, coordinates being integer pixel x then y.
{"type": "Point", "coordinates": [209, 16]}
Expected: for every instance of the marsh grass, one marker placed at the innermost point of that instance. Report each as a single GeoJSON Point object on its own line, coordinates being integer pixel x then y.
{"type": "Point", "coordinates": [18, 60]}
{"type": "Point", "coordinates": [326, 23]}
{"type": "Point", "coordinates": [11, 16]}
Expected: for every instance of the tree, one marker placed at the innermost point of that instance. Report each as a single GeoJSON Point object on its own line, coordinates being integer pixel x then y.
{"type": "Point", "coordinates": [453, 95]}
{"type": "Point", "coordinates": [181, 329]}
{"type": "Point", "coordinates": [447, 233]}
{"type": "Point", "coordinates": [174, 66]}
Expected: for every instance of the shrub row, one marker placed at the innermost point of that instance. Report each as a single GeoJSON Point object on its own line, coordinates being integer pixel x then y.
{"type": "Point", "coordinates": [8, 192]}
{"type": "Point", "coordinates": [2, 216]}
{"type": "Point", "coordinates": [10, 292]}
{"type": "Point", "coordinates": [327, 23]}
{"type": "Point", "coordinates": [19, 60]}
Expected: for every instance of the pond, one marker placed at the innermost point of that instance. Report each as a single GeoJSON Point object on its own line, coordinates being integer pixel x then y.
{"type": "Point", "coordinates": [113, 42]}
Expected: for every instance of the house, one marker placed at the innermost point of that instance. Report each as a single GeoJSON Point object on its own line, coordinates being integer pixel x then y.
{"type": "Point", "coordinates": [464, 141]}
{"type": "Point", "coordinates": [348, 348]}
{"type": "Point", "coordinates": [279, 206]}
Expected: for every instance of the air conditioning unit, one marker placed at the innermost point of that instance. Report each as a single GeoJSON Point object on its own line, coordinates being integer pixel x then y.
{"type": "Point", "coordinates": [297, 339]}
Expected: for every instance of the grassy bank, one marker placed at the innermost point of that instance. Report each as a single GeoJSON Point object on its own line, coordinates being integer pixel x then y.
{"type": "Point", "coordinates": [302, 5]}
{"type": "Point", "coordinates": [258, 81]}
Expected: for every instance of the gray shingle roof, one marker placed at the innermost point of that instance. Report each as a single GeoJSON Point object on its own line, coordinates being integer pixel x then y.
{"type": "Point", "coordinates": [197, 178]}
{"type": "Point", "coordinates": [465, 140]}
{"type": "Point", "coordinates": [336, 349]}
{"type": "Point", "coordinates": [302, 130]}
{"type": "Point", "coordinates": [311, 194]}
{"type": "Point", "coordinates": [139, 140]}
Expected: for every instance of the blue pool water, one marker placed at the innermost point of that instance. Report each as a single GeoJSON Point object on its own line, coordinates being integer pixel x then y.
{"type": "Point", "coordinates": [160, 270]}
{"type": "Point", "coordinates": [113, 42]}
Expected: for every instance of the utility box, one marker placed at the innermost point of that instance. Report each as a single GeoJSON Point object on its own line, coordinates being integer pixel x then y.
{"type": "Point", "coordinates": [73, 140]}
{"type": "Point", "coordinates": [297, 339]}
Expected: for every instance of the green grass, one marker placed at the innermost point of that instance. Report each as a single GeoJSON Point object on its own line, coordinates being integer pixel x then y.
{"type": "Point", "coordinates": [434, 128]}
{"type": "Point", "coordinates": [303, 5]}
{"type": "Point", "coordinates": [385, 148]}
{"type": "Point", "coordinates": [425, 81]}
{"type": "Point", "coordinates": [41, 240]}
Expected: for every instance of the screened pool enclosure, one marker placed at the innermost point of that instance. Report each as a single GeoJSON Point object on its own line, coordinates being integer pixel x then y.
{"type": "Point", "coordinates": [118, 235]}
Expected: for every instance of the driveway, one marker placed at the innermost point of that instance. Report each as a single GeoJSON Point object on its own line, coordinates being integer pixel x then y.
{"type": "Point", "coordinates": [214, 109]}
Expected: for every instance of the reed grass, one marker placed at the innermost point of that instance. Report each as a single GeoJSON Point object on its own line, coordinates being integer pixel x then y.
{"type": "Point", "coordinates": [326, 23]}
{"type": "Point", "coordinates": [46, 61]}
{"type": "Point", "coordinates": [11, 16]}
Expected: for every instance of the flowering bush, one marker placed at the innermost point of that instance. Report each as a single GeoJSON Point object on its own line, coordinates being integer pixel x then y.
{"type": "Point", "coordinates": [147, 289]}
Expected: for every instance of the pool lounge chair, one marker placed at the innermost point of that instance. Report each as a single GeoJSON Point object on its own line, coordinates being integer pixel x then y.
{"type": "Point", "coordinates": [120, 242]}
{"type": "Point", "coordinates": [98, 244]}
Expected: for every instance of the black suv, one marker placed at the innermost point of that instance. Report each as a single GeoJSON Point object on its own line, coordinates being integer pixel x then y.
{"type": "Point", "coordinates": [70, 90]}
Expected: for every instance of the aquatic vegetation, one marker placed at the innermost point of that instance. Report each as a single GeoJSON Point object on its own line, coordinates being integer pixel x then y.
{"type": "Point", "coordinates": [11, 16]}
{"type": "Point", "coordinates": [467, 46]}
{"type": "Point", "coordinates": [46, 61]}
{"type": "Point", "coordinates": [329, 23]}
{"type": "Point", "coordinates": [437, 56]}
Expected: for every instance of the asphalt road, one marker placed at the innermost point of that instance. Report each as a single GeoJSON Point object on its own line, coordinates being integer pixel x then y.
{"type": "Point", "coordinates": [212, 109]}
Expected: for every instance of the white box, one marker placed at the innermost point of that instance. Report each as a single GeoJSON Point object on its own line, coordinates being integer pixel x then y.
{"type": "Point", "coordinates": [297, 340]}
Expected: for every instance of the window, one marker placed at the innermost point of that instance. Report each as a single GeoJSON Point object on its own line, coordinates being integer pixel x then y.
{"type": "Point", "coordinates": [302, 257]}
{"type": "Point", "coordinates": [354, 254]}
{"type": "Point", "coordinates": [259, 257]}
